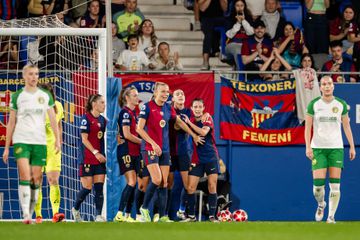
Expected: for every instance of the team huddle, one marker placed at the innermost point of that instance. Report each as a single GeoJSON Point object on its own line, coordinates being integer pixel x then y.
{"type": "Point", "coordinates": [152, 143]}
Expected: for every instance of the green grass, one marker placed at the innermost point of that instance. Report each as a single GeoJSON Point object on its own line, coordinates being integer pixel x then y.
{"type": "Point", "coordinates": [183, 231]}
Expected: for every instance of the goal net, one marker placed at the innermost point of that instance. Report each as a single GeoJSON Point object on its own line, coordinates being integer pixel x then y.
{"type": "Point", "coordinates": [73, 60]}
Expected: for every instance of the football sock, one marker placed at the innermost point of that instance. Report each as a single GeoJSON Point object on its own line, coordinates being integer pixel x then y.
{"type": "Point", "coordinates": [139, 199]}
{"type": "Point", "coordinates": [212, 203]}
{"type": "Point", "coordinates": [163, 192]}
{"type": "Point", "coordinates": [81, 197]}
{"type": "Point", "coordinates": [34, 197]}
{"type": "Point", "coordinates": [125, 196]}
{"type": "Point", "coordinates": [99, 197]}
{"type": "Point", "coordinates": [130, 202]}
{"type": "Point", "coordinates": [38, 204]}
{"type": "Point", "coordinates": [24, 197]}
{"type": "Point", "coordinates": [319, 190]}
{"type": "Point", "coordinates": [191, 203]}
{"type": "Point", "coordinates": [55, 196]}
{"type": "Point", "coordinates": [334, 196]}
{"type": "Point", "coordinates": [168, 202]}
{"type": "Point", "coordinates": [149, 194]}
{"type": "Point", "coordinates": [183, 200]}
{"type": "Point", "coordinates": [156, 202]}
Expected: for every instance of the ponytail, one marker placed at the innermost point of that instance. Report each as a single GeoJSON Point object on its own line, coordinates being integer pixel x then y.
{"type": "Point", "coordinates": [92, 98]}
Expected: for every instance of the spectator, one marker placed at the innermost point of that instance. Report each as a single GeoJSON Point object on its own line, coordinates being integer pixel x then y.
{"type": "Point", "coordinates": [117, 44]}
{"type": "Point", "coordinates": [256, 7]}
{"type": "Point", "coordinates": [197, 24]}
{"type": "Point", "coordinates": [273, 21]}
{"type": "Point", "coordinates": [55, 6]}
{"type": "Point", "coordinates": [316, 26]}
{"type": "Point", "coordinates": [275, 63]}
{"type": "Point", "coordinates": [342, 27]}
{"type": "Point", "coordinates": [339, 64]}
{"type": "Point", "coordinates": [307, 85]}
{"type": "Point", "coordinates": [35, 8]}
{"type": "Point", "coordinates": [92, 18]}
{"type": "Point", "coordinates": [9, 56]}
{"type": "Point", "coordinates": [240, 31]}
{"type": "Point", "coordinates": [165, 60]}
{"type": "Point", "coordinates": [354, 37]}
{"type": "Point", "coordinates": [211, 16]}
{"type": "Point", "coordinates": [147, 38]}
{"type": "Point", "coordinates": [7, 9]}
{"type": "Point", "coordinates": [292, 45]}
{"type": "Point", "coordinates": [128, 21]}
{"type": "Point", "coordinates": [133, 59]}
{"type": "Point", "coordinates": [257, 49]}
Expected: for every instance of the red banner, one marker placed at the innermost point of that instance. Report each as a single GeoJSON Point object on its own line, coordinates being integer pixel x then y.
{"type": "Point", "coordinates": [260, 112]}
{"type": "Point", "coordinates": [200, 85]}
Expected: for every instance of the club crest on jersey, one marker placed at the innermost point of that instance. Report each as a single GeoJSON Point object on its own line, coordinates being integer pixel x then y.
{"type": "Point", "coordinates": [335, 109]}
{"type": "Point", "coordinates": [41, 100]}
{"type": "Point", "coordinates": [161, 113]}
{"type": "Point", "coordinates": [162, 123]}
{"type": "Point", "coordinates": [100, 134]}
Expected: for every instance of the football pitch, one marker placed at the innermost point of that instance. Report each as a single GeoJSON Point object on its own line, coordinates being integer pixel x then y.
{"type": "Point", "coordinates": [183, 231]}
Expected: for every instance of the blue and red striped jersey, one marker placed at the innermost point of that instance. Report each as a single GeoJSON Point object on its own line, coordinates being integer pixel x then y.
{"type": "Point", "coordinates": [207, 152]}
{"type": "Point", "coordinates": [95, 128]}
{"type": "Point", "coordinates": [7, 9]}
{"type": "Point", "coordinates": [180, 141]}
{"type": "Point", "coordinates": [157, 124]}
{"type": "Point", "coordinates": [127, 117]}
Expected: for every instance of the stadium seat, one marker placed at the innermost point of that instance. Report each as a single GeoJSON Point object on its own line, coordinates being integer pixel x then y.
{"type": "Point", "coordinates": [293, 12]}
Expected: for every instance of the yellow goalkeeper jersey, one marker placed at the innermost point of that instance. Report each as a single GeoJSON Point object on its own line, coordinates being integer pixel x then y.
{"type": "Point", "coordinates": [50, 137]}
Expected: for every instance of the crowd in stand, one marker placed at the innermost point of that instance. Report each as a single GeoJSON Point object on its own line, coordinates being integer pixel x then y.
{"type": "Point", "coordinates": [258, 35]}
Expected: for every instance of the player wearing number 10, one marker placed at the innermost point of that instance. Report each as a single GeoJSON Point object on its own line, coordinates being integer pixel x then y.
{"type": "Point", "coordinates": [128, 150]}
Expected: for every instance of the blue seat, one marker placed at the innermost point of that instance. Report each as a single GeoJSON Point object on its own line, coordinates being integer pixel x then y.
{"type": "Point", "coordinates": [293, 12]}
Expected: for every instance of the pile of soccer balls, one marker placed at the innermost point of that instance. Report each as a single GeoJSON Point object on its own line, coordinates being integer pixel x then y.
{"type": "Point", "coordinates": [237, 216]}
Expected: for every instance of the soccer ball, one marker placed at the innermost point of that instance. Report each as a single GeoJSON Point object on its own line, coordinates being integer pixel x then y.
{"type": "Point", "coordinates": [224, 216]}
{"type": "Point", "coordinates": [239, 216]}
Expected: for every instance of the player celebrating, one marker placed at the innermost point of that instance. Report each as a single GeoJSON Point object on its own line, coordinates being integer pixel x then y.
{"type": "Point", "coordinates": [128, 150]}
{"type": "Point", "coordinates": [180, 150]}
{"type": "Point", "coordinates": [155, 116]}
{"type": "Point", "coordinates": [92, 167]}
{"type": "Point", "coordinates": [205, 159]}
{"type": "Point", "coordinates": [326, 151]}
{"type": "Point", "coordinates": [53, 162]}
{"type": "Point", "coordinates": [26, 129]}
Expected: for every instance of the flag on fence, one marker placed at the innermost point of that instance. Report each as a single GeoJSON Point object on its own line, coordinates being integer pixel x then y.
{"type": "Point", "coordinates": [199, 85]}
{"type": "Point", "coordinates": [260, 112]}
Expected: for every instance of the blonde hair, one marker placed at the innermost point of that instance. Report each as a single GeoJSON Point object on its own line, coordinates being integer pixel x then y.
{"type": "Point", "coordinates": [156, 87]}
{"type": "Point", "coordinates": [27, 67]}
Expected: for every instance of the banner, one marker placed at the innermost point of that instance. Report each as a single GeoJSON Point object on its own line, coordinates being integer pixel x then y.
{"type": "Point", "coordinates": [260, 112]}
{"type": "Point", "coordinates": [200, 85]}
